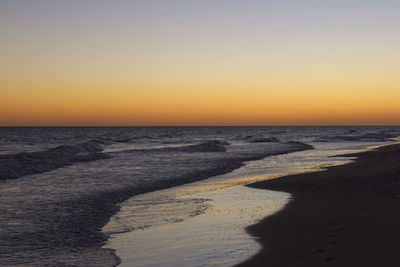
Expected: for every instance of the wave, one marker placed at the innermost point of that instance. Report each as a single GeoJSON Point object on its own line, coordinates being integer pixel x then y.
{"type": "Point", "coordinates": [375, 137]}
{"type": "Point", "coordinates": [277, 132]}
{"type": "Point", "coordinates": [262, 139]}
{"type": "Point", "coordinates": [117, 140]}
{"type": "Point", "coordinates": [13, 166]}
{"type": "Point", "coordinates": [208, 146]}
{"type": "Point", "coordinates": [69, 219]}
{"type": "Point", "coordinates": [256, 138]}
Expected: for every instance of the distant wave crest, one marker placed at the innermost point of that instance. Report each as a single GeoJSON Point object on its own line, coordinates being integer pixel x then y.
{"type": "Point", "coordinates": [354, 136]}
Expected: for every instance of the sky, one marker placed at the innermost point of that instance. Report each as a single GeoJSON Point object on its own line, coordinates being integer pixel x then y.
{"type": "Point", "coordinates": [203, 62]}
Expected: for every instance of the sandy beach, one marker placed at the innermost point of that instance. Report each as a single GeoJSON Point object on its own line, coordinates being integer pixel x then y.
{"type": "Point", "coordinates": [347, 215]}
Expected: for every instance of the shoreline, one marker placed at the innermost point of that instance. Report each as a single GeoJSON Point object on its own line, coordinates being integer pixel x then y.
{"type": "Point", "coordinates": [217, 190]}
{"type": "Point", "coordinates": [346, 215]}
{"type": "Point", "coordinates": [191, 225]}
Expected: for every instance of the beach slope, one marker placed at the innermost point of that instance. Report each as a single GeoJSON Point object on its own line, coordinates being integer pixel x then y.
{"type": "Point", "coordinates": [347, 215]}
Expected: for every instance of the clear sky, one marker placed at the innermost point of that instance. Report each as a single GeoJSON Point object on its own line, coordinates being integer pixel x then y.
{"type": "Point", "coordinates": [203, 62]}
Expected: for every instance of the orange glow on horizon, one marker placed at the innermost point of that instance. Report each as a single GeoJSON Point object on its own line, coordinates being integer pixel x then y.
{"type": "Point", "coordinates": [200, 107]}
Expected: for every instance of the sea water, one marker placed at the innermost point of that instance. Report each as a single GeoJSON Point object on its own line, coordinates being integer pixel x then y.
{"type": "Point", "coordinates": [60, 186]}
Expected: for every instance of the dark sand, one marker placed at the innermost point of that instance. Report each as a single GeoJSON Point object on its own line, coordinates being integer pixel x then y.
{"type": "Point", "coordinates": [348, 215]}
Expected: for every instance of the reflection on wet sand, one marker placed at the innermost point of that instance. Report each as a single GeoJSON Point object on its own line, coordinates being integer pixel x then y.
{"type": "Point", "coordinates": [161, 227]}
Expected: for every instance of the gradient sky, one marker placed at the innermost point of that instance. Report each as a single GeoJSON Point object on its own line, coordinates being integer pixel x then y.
{"type": "Point", "coordinates": [203, 62]}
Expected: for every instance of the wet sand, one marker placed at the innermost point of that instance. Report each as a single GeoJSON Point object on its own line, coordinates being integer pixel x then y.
{"type": "Point", "coordinates": [197, 224]}
{"type": "Point", "coordinates": [348, 215]}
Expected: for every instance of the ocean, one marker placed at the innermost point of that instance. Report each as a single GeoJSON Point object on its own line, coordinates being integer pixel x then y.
{"type": "Point", "coordinates": [60, 186]}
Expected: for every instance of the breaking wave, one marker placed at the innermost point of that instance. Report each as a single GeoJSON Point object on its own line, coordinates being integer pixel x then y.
{"type": "Point", "coordinates": [16, 165]}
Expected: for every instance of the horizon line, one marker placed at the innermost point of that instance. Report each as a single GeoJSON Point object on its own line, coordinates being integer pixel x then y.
{"type": "Point", "coordinates": [102, 126]}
